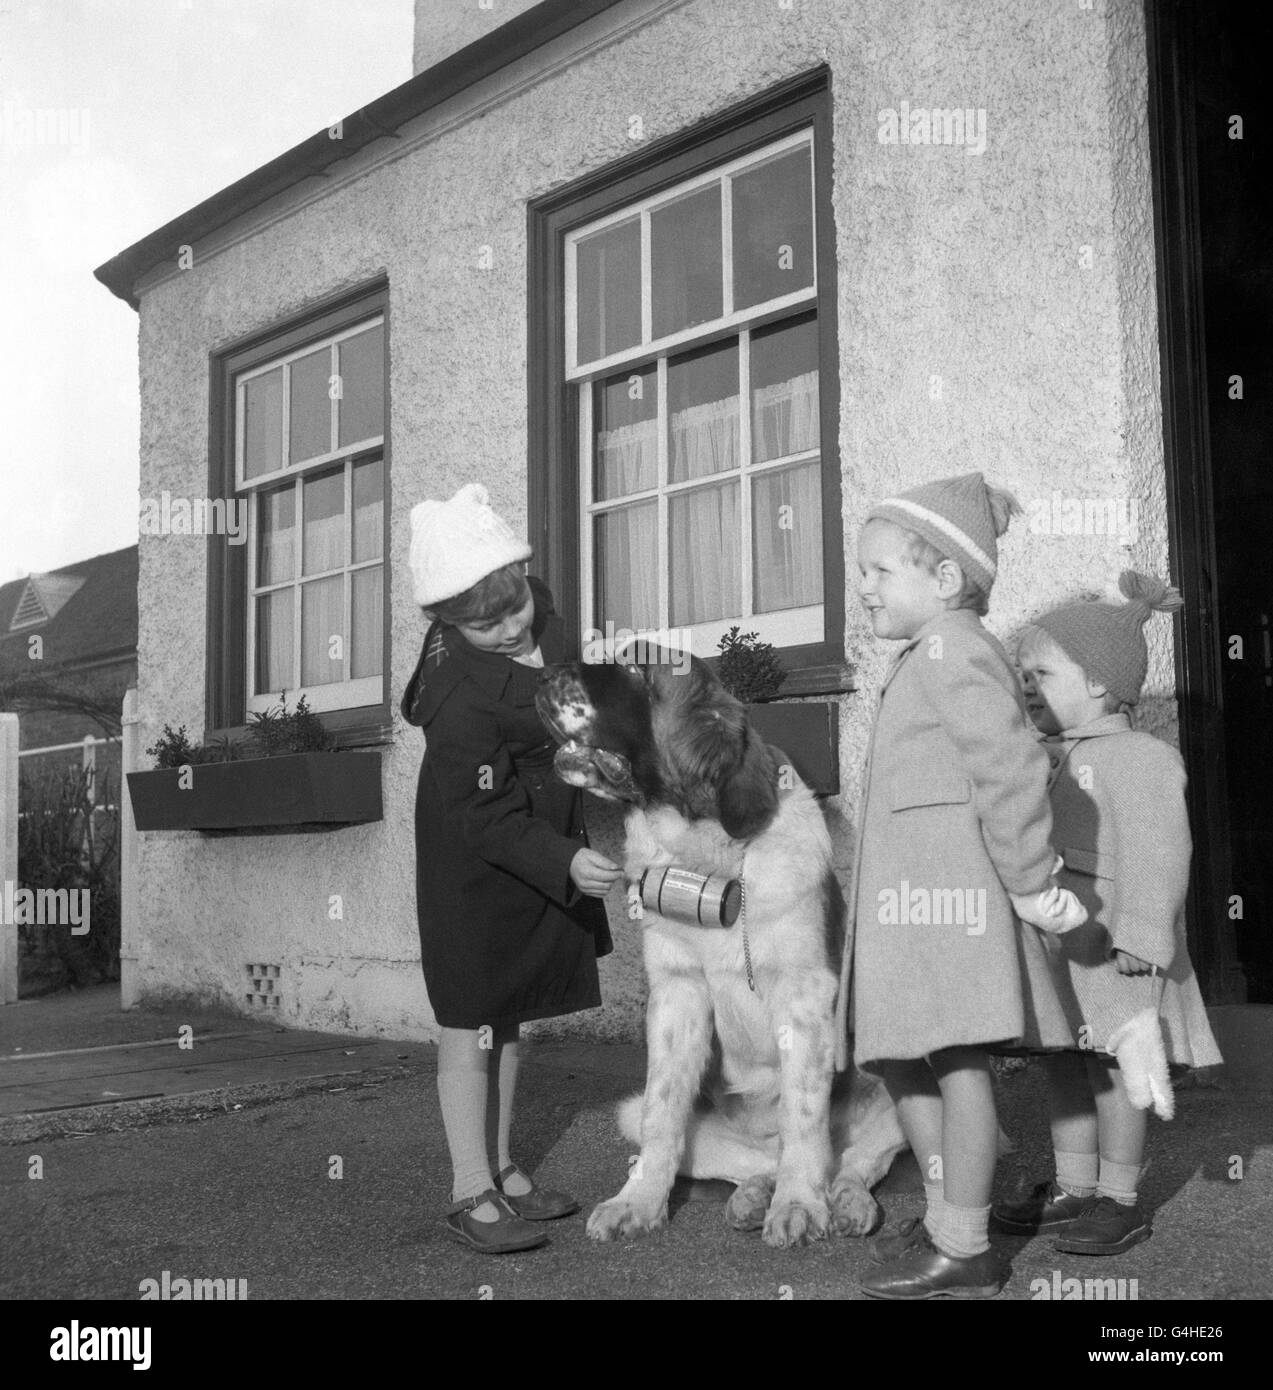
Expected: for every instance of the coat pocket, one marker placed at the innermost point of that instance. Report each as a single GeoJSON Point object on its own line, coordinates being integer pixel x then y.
{"type": "Point", "coordinates": [1089, 861]}
{"type": "Point", "coordinates": [908, 792]}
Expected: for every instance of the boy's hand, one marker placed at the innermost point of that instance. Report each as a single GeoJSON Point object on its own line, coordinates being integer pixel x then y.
{"type": "Point", "coordinates": [1056, 909]}
{"type": "Point", "coordinates": [1129, 964]}
{"type": "Point", "coordinates": [593, 873]}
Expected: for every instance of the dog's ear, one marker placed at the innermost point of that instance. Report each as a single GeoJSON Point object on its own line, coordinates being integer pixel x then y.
{"type": "Point", "coordinates": [748, 793]}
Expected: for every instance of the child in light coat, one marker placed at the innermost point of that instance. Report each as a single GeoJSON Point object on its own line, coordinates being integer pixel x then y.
{"type": "Point", "coordinates": [1129, 1000]}
{"type": "Point", "coordinates": [954, 844]}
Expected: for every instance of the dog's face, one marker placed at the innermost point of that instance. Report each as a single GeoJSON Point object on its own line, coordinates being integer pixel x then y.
{"type": "Point", "coordinates": [653, 732]}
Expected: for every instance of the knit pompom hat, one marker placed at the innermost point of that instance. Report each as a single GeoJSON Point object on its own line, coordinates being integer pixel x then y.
{"type": "Point", "coordinates": [962, 517]}
{"type": "Point", "coordinates": [1108, 639]}
{"type": "Point", "coordinates": [456, 543]}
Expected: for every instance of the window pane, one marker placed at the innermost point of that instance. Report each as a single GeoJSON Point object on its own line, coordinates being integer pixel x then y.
{"type": "Point", "coordinates": [706, 578]}
{"type": "Point", "coordinates": [369, 509]}
{"type": "Point", "coordinates": [274, 642]}
{"type": "Point", "coordinates": [322, 618]}
{"type": "Point", "coordinates": [361, 411]}
{"type": "Point", "coordinates": [626, 551]}
{"type": "Point", "coordinates": [773, 229]}
{"type": "Point", "coordinates": [625, 420]}
{"type": "Point", "coordinates": [685, 261]}
{"type": "Point", "coordinates": [263, 424]}
{"type": "Point", "coordinates": [324, 522]}
{"type": "Point", "coordinates": [365, 657]}
{"type": "Point", "coordinates": [276, 536]}
{"type": "Point", "coordinates": [702, 389]}
{"type": "Point", "coordinates": [784, 390]}
{"type": "Point", "coordinates": [311, 408]}
{"type": "Point", "coordinates": [786, 518]}
{"type": "Point", "coordinates": [608, 297]}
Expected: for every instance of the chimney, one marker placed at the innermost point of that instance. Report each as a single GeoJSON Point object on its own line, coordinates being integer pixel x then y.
{"type": "Point", "coordinates": [443, 27]}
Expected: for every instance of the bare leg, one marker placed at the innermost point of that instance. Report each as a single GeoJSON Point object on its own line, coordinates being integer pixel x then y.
{"type": "Point", "coordinates": [970, 1128]}
{"type": "Point", "coordinates": [915, 1092]}
{"type": "Point", "coordinates": [1122, 1128]}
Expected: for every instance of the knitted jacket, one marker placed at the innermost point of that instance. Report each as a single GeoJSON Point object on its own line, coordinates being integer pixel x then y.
{"type": "Point", "coordinates": [1120, 823]}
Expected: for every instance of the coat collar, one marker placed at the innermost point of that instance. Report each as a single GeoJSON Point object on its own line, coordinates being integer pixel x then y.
{"type": "Point", "coordinates": [1095, 728]}
{"type": "Point", "coordinates": [951, 618]}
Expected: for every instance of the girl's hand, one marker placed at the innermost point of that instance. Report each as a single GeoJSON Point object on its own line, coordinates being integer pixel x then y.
{"type": "Point", "coordinates": [593, 873]}
{"type": "Point", "coordinates": [1129, 964]}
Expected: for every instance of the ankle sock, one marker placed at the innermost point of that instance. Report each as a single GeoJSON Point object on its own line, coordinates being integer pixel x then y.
{"type": "Point", "coordinates": [1119, 1181]}
{"type": "Point", "coordinates": [962, 1232]}
{"type": "Point", "coordinates": [933, 1210]}
{"type": "Point", "coordinates": [1076, 1173]}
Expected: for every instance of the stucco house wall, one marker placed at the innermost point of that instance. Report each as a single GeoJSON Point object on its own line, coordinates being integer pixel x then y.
{"type": "Point", "coordinates": [996, 311]}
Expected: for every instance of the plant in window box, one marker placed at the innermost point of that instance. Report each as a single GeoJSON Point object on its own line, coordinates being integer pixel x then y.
{"type": "Point", "coordinates": [285, 773]}
{"type": "Point", "coordinates": [808, 733]}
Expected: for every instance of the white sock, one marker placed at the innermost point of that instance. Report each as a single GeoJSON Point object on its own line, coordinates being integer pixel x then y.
{"type": "Point", "coordinates": [963, 1231]}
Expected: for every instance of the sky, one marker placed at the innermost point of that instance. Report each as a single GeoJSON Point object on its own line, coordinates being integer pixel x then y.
{"type": "Point", "coordinates": [116, 116]}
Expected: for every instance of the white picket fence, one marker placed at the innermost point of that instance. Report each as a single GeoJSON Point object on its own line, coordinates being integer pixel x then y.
{"type": "Point", "coordinates": [10, 756]}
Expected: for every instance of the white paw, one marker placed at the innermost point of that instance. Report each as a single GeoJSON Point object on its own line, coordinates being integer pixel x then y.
{"type": "Point", "coordinates": [796, 1223]}
{"type": "Point", "coordinates": [853, 1209]}
{"type": "Point", "coordinates": [621, 1216]}
{"type": "Point", "coordinates": [748, 1203]}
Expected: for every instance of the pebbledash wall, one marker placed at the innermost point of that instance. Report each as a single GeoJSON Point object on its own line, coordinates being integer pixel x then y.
{"type": "Point", "coordinates": [996, 311]}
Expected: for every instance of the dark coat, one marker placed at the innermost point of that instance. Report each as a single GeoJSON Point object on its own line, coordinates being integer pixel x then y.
{"type": "Point", "coordinates": [505, 935]}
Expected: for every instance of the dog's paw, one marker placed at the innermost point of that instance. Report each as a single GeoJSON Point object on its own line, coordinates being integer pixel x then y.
{"type": "Point", "coordinates": [622, 1217]}
{"type": "Point", "coordinates": [748, 1203]}
{"type": "Point", "coordinates": [854, 1211]}
{"type": "Point", "coordinates": [796, 1223]}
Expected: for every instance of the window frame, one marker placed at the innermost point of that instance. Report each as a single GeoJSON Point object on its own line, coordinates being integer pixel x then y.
{"type": "Point", "coordinates": [553, 483]}
{"type": "Point", "coordinates": [228, 618]}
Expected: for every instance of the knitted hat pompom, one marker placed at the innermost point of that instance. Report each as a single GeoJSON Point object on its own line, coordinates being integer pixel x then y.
{"type": "Point", "coordinates": [1156, 594]}
{"type": "Point", "coordinates": [1003, 507]}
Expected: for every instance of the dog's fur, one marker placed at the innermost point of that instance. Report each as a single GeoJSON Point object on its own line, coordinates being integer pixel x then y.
{"type": "Point", "coordinates": [739, 1082]}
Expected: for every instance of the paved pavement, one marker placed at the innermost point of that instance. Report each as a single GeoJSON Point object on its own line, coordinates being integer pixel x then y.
{"type": "Point", "coordinates": [314, 1167]}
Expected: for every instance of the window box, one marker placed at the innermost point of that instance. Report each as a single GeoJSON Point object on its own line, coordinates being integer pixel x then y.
{"type": "Point", "coordinates": [809, 734]}
{"type": "Point", "coordinates": [323, 790]}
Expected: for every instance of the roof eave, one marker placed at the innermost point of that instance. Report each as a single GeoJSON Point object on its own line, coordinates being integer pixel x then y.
{"type": "Point", "coordinates": [312, 157]}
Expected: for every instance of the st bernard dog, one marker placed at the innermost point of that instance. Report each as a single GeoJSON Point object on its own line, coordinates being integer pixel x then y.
{"type": "Point", "coordinates": [740, 1020]}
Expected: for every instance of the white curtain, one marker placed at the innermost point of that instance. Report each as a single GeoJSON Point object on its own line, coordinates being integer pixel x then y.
{"type": "Point", "coordinates": [706, 581]}
{"type": "Point", "coordinates": [627, 459]}
{"type": "Point", "coordinates": [786, 518]}
{"type": "Point", "coordinates": [322, 617]}
{"type": "Point", "coordinates": [785, 417]}
{"type": "Point", "coordinates": [367, 608]}
{"type": "Point", "coordinates": [628, 562]}
{"type": "Point", "coordinates": [704, 439]}
{"type": "Point", "coordinates": [274, 641]}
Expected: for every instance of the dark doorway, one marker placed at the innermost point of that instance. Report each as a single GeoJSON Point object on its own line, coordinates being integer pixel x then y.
{"type": "Point", "coordinates": [1210, 125]}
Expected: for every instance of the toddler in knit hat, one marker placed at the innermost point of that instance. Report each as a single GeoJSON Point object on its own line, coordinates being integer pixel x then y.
{"type": "Point", "coordinates": [1118, 994]}
{"type": "Point", "coordinates": [953, 845]}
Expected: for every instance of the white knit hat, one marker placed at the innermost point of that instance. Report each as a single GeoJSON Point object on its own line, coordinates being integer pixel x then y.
{"type": "Point", "coordinates": [456, 543]}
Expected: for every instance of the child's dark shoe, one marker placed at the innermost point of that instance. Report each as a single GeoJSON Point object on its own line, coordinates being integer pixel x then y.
{"type": "Point", "coordinates": [1047, 1208]}
{"type": "Point", "coordinates": [895, 1241]}
{"type": "Point", "coordinates": [923, 1271]}
{"type": "Point", "coordinates": [540, 1203]}
{"type": "Point", "coordinates": [509, 1233]}
{"type": "Point", "coordinates": [1105, 1228]}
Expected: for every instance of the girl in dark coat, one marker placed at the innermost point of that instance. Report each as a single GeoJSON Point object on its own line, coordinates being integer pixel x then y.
{"type": "Point", "coordinates": [506, 886]}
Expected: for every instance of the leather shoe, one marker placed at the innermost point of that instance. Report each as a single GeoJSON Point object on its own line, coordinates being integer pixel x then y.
{"type": "Point", "coordinates": [926, 1272]}
{"type": "Point", "coordinates": [540, 1203]}
{"type": "Point", "coordinates": [1107, 1227]}
{"type": "Point", "coordinates": [1049, 1207]}
{"type": "Point", "coordinates": [510, 1232]}
{"type": "Point", "coordinates": [893, 1243]}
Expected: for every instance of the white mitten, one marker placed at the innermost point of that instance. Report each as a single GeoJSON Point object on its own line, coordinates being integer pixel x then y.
{"type": "Point", "coordinates": [1056, 909]}
{"type": "Point", "coordinates": [1137, 1044]}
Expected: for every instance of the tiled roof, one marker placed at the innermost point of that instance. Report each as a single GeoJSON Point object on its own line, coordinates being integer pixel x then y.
{"type": "Point", "coordinates": [89, 608]}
